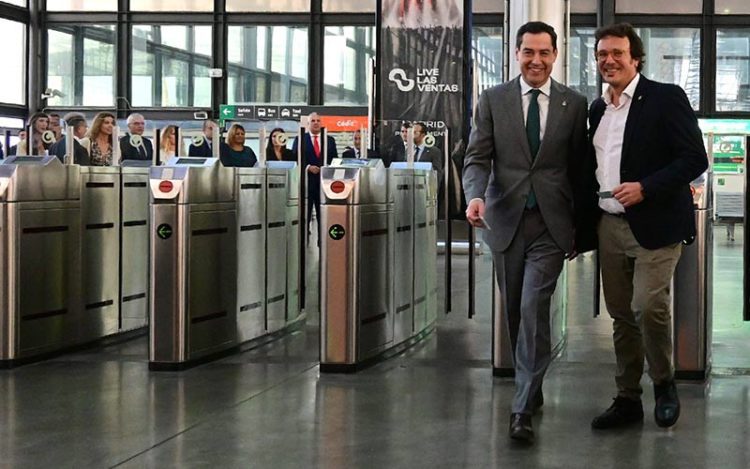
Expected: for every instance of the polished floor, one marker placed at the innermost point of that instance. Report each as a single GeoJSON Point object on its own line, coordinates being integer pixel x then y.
{"type": "Point", "coordinates": [436, 406]}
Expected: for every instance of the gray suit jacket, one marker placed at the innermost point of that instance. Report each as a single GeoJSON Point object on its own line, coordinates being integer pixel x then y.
{"type": "Point", "coordinates": [435, 156]}
{"type": "Point", "coordinates": [499, 169]}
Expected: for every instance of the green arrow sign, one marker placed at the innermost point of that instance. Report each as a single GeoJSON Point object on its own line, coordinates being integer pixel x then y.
{"type": "Point", "coordinates": [227, 111]}
{"type": "Point", "coordinates": [164, 231]}
{"type": "Point", "coordinates": [336, 232]}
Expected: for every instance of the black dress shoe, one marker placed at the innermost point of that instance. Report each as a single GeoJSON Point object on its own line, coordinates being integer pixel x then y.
{"type": "Point", "coordinates": [538, 402]}
{"type": "Point", "coordinates": [622, 412]}
{"type": "Point", "coordinates": [520, 428]}
{"type": "Point", "coordinates": [667, 408]}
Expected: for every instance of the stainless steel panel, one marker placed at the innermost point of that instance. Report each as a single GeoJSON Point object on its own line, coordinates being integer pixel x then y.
{"type": "Point", "coordinates": [692, 312]}
{"type": "Point", "coordinates": [100, 229]}
{"type": "Point", "coordinates": [371, 184]}
{"type": "Point", "coordinates": [47, 279]}
{"type": "Point", "coordinates": [420, 250]}
{"type": "Point", "coordinates": [201, 184]}
{"type": "Point", "coordinates": [135, 229]}
{"type": "Point", "coordinates": [402, 184]}
{"type": "Point", "coordinates": [292, 264]}
{"type": "Point", "coordinates": [338, 271]}
{"type": "Point", "coordinates": [168, 285]}
{"type": "Point", "coordinates": [8, 320]}
{"type": "Point", "coordinates": [431, 274]}
{"type": "Point", "coordinates": [251, 252]}
{"type": "Point", "coordinates": [275, 250]}
{"type": "Point", "coordinates": [374, 282]}
{"type": "Point", "coordinates": [50, 180]}
{"type": "Point", "coordinates": [212, 277]}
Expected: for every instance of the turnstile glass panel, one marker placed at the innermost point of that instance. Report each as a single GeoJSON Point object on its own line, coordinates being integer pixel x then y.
{"type": "Point", "coordinates": [276, 245]}
{"type": "Point", "coordinates": [251, 239]}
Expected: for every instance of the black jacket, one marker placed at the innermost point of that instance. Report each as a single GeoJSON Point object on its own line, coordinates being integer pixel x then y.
{"type": "Point", "coordinates": [129, 152]}
{"type": "Point", "coordinates": [663, 150]}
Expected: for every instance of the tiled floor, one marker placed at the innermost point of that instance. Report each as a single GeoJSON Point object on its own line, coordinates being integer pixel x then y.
{"type": "Point", "coordinates": [435, 406]}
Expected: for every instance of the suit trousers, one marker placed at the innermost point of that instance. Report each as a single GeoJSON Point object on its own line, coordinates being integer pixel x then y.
{"type": "Point", "coordinates": [636, 283]}
{"type": "Point", "coordinates": [527, 274]}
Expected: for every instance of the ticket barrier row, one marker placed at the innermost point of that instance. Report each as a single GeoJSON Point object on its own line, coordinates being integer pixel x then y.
{"type": "Point", "coordinates": [74, 254]}
{"type": "Point", "coordinates": [378, 260]}
{"type": "Point", "coordinates": [225, 243]}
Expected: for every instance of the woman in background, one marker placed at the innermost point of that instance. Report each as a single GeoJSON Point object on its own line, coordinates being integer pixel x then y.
{"type": "Point", "coordinates": [39, 123]}
{"type": "Point", "coordinates": [168, 143]}
{"type": "Point", "coordinates": [276, 148]}
{"type": "Point", "coordinates": [235, 152]}
{"type": "Point", "coordinates": [99, 143]}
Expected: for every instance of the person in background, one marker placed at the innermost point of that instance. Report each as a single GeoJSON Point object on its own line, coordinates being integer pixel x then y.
{"type": "Point", "coordinates": [276, 150]}
{"type": "Point", "coordinates": [39, 123]}
{"type": "Point", "coordinates": [13, 150]}
{"type": "Point", "coordinates": [100, 145]}
{"type": "Point", "coordinates": [144, 151]}
{"type": "Point", "coordinates": [313, 159]}
{"type": "Point", "coordinates": [77, 122]}
{"type": "Point", "coordinates": [424, 153]}
{"type": "Point", "coordinates": [206, 148]}
{"type": "Point", "coordinates": [54, 126]}
{"type": "Point", "coordinates": [168, 143]}
{"type": "Point", "coordinates": [235, 152]}
{"type": "Point", "coordinates": [354, 152]}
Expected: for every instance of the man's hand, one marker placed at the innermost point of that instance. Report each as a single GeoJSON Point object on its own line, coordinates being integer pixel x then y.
{"type": "Point", "coordinates": [628, 193]}
{"type": "Point", "coordinates": [313, 169]}
{"type": "Point", "coordinates": [474, 212]}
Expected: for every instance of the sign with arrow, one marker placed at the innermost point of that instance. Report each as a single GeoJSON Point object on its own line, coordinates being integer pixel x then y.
{"type": "Point", "coordinates": [336, 232]}
{"type": "Point", "coordinates": [164, 231]}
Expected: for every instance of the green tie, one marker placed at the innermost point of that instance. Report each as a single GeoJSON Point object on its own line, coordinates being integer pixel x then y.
{"type": "Point", "coordinates": [532, 134]}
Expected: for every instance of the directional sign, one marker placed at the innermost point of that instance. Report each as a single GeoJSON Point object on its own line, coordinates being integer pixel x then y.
{"type": "Point", "coordinates": [336, 232]}
{"type": "Point", "coordinates": [227, 111]}
{"type": "Point", "coordinates": [164, 231]}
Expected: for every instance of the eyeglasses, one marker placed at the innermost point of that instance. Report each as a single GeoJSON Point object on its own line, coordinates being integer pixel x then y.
{"type": "Point", "coordinates": [616, 54]}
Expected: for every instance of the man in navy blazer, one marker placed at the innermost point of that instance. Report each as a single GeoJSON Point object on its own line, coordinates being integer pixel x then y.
{"type": "Point", "coordinates": [144, 151]}
{"type": "Point", "coordinates": [205, 149]}
{"type": "Point", "coordinates": [313, 160]}
{"type": "Point", "coordinates": [645, 149]}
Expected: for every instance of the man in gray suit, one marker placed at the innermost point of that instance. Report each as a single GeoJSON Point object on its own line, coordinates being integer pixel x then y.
{"type": "Point", "coordinates": [520, 175]}
{"type": "Point", "coordinates": [425, 153]}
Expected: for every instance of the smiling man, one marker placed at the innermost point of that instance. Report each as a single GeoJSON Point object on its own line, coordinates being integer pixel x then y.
{"type": "Point", "coordinates": [645, 149]}
{"type": "Point", "coordinates": [524, 154]}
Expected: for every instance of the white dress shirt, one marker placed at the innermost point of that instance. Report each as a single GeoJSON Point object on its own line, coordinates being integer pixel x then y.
{"type": "Point", "coordinates": [542, 99]}
{"type": "Point", "coordinates": [608, 141]}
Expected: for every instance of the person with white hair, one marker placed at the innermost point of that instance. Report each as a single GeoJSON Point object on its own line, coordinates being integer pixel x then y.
{"type": "Point", "coordinates": [133, 145]}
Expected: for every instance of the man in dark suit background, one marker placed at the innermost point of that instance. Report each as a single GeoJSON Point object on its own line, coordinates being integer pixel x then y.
{"type": "Point", "coordinates": [205, 149]}
{"type": "Point", "coordinates": [143, 151]}
{"type": "Point", "coordinates": [313, 159]}
{"type": "Point", "coordinates": [524, 156]}
{"type": "Point", "coordinates": [78, 123]}
{"type": "Point", "coordinates": [425, 153]}
{"type": "Point", "coordinates": [646, 148]}
{"type": "Point", "coordinates": [355, 151]}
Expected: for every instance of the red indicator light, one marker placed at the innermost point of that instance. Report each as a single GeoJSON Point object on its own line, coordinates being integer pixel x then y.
{"type": "Point", "coordinates": [166, 186]}
{"type": "Point", "coordinates": [337, 187]}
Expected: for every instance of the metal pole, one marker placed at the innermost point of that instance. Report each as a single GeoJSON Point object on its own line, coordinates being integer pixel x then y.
{"type": "Point", "coordinates": [261, 147]}
{"type": "Point", "coordinates": [116, 154]}
{"type": "Point", "coordinates": [410, 147]}
{"type": "Point", "coordinates": [302, 226]}
{"type": "Point", "coordinates": [7, 143]}
{"type": "Point", "coordinates": [69, 145]}
{"type": "Point", "coordinates": [157, 147]}
{"type": "Point", "coordinates": [216, 140]}
{"type": "Point", "coordinates": [363, 138]}
{"type": "Point", "coordinates": [177, 142]}
{"type": "Point", "coordinates": [370, 103]}
{"type": "Point", "coordinates": [29, 140]}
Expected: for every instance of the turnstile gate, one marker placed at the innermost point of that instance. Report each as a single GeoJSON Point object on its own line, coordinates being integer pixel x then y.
{"type": "Point", "coordinates": [194, 261]}
{"type": "Point", "coordinates": [40, 257]}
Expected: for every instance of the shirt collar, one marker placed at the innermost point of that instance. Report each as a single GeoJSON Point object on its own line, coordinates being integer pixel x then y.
{"type": "Point", "coordinates": [629, 90]}
{"type": "Point", "coordinates": [545, 88]}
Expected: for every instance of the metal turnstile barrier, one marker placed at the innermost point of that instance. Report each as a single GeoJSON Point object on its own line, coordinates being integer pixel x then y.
{"type": "Point", "coordinates": [134, 244]}
{"type": "Point", "coordinates": [100, 251]}
{"type": "Point", "coordinates": [693, 293]}
{"type": "Point", "coordinates": [376, 269]}
{"type": "Point", "coordinates": [40, 257]}
{"type": "Point", "coordinates": [193, 241]}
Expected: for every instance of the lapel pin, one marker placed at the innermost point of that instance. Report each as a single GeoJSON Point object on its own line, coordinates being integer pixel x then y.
{"type": "Point", "coordinates": [564, 103]}
{"type": "Point", "coordinates": [640, 97]}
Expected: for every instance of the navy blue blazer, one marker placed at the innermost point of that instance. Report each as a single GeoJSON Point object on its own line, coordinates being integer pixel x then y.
{"type": "Point", "coordinates": [129, 152]}
{"type": "Point", "coordinates": [204, 150]}
{"type": "Point", "coordinates": [80, 154]}
{"type": "Point", "coordinates": [663, 150]}
{"type": "Point", "coordinates": [313, 180]}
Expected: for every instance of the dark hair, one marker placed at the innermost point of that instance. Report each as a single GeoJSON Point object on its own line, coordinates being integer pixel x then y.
{"type": "Point", "coordinates": [536, 27]}
{"type": "Point", "coordinates": [406, 125]}
{"type": "Point", "coordinates": [76, 122]}
{"type": "Point", "coordinates": [270, 154]}
{"type": "Point", "coordinates": [624, 30]}
{"type": "Point", "coordinates": [422, 127]}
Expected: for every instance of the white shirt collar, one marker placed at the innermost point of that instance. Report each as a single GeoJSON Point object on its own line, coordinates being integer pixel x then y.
{"type": "Point", "coordinates": [629, 90]}
{"type": "Point", "coordinates": [545, 88]}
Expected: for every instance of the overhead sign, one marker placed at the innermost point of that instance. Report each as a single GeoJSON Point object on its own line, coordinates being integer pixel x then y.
{"type": "Point", "coordinates": [336, 118]}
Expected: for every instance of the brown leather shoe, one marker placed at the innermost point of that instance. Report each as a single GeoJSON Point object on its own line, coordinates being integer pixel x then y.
{"type": "Point", "coordinates": [520, 428]}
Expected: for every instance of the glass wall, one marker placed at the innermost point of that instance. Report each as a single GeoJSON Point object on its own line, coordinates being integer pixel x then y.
{"type": "Point", "coordinates": [347, 50]}
{"type": "Point", "coordinates": [80, 65]}
{"type": "Point", "coordinates": [582, 73]}
{"type": "Point", "coordinates": [171, 5]}
{"type": "Point", "coordinates": [81, 5]}
{"type": "Point", "coordinates": [733, 70]}
{"type": "Point", "coordinates": [13, 78]}
{"type": "Point", "coordinates": [20, 3]}
{"type": "Point", "coordinates": [673, 55]}
{"type": "Point", "coordinates": [267, 64]}
{"type": "Point", "coordinates": [281, 6]}
{"type": "Point", "coordinates": [732, 7]}
{"type": "Point", "coordinates": [170, 66]}
{"type": "Point", "coordinates": [487, 53]}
